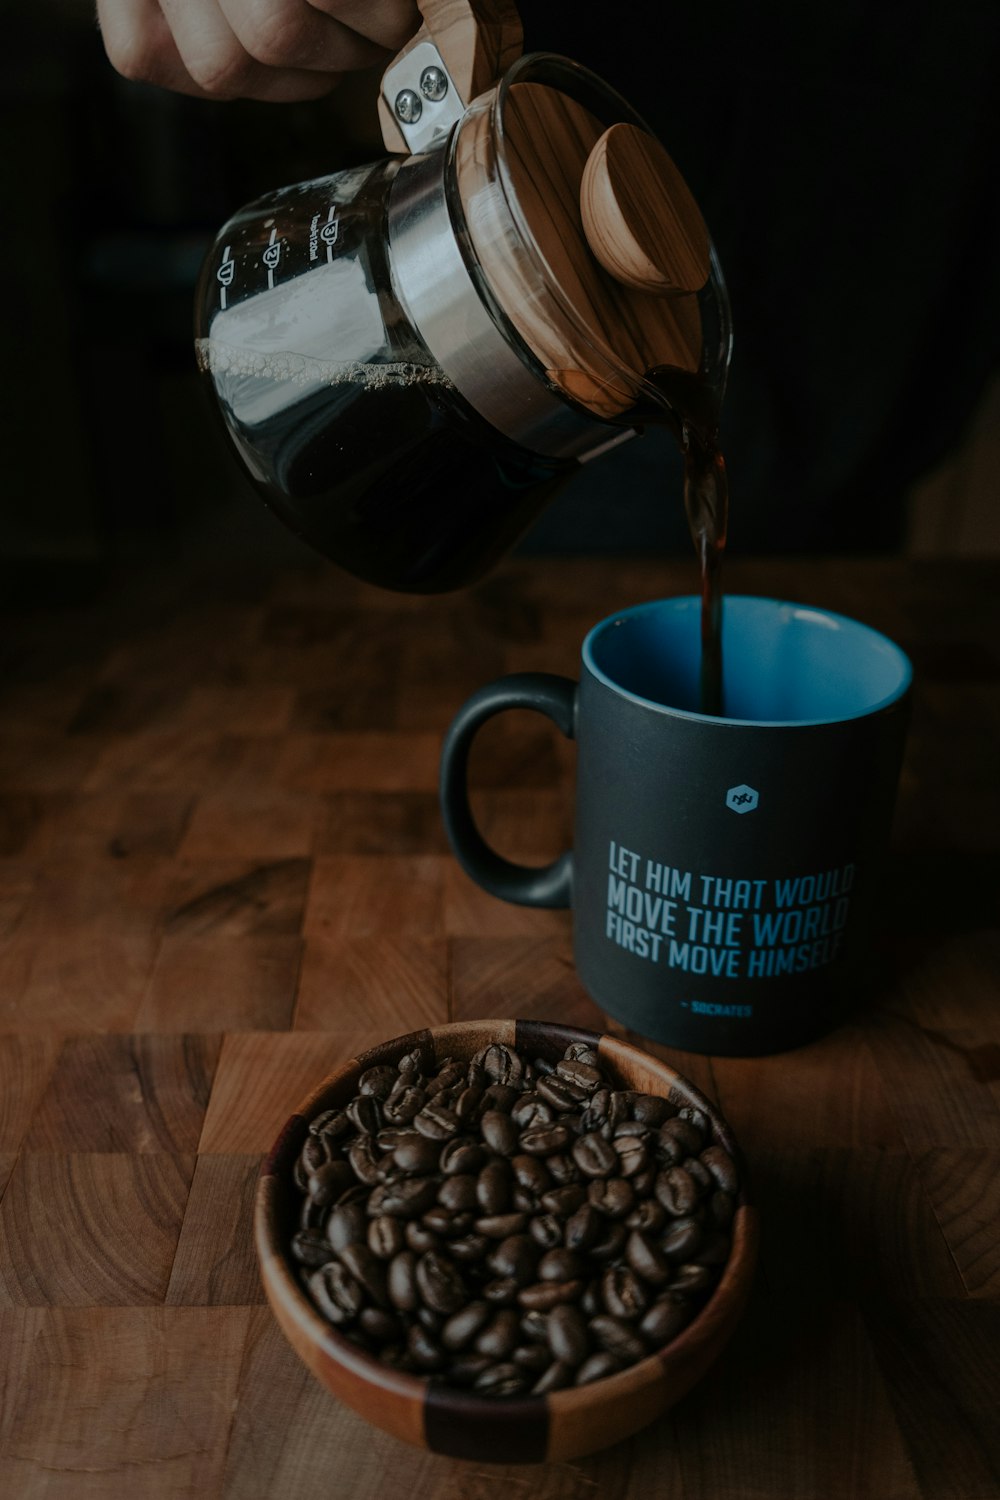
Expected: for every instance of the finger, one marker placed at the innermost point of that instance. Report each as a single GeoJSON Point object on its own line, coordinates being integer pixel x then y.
{"type": "Point", "coordinates": [222, 68]}
{"type": "Point", "coordinates": [293, 34]}
{"type": "Point", "coordinates": [390, 23]}
{"type": "Point", "coordinates": [139, 44]}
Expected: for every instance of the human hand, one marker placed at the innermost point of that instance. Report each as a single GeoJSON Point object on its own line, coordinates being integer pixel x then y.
{"type": "Point", "coordinates": [275, 50]}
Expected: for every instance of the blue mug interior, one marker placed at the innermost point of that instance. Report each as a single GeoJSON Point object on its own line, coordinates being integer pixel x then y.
{"type": "Point", "coordinates": [782, 663]}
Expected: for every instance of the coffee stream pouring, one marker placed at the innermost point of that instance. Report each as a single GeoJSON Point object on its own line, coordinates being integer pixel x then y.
{"type": "Point", "coordinates": [412, 356]}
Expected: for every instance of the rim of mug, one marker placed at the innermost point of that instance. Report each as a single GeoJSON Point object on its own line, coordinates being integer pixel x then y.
{"type": "Point", "coordinates": [688, 602]}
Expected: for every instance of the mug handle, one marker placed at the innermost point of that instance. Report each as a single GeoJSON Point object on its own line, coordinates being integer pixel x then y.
{"type": "Point", "coordinates": [550, 885]}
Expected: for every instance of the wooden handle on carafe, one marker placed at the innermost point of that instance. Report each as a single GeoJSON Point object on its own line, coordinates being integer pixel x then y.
{"type": "Point", "coordinates": [477, 39]}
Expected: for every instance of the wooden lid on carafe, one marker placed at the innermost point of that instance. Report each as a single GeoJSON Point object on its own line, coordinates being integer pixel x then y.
{"type": "Point", "coordinates": [587, 234]}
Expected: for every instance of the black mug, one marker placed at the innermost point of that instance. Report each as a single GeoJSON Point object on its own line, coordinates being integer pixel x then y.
{"type": "Point", "coordinates": [724, 869]}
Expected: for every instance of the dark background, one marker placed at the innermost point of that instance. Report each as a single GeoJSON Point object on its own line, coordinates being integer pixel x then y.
{"type": "Point", "coordinates": [846, 159]}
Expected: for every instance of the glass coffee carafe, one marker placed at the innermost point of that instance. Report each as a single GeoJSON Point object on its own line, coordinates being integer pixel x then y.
{"type": "Point", "coordinates": [411, 357]}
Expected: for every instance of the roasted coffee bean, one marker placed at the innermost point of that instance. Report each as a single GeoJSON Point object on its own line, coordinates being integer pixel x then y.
{"type": "Point", "coordinates": [410, 1063]}
{"type": "Point", "coordinates": [465, 1368]}
{"type": "Point", "coordinates": [591, 1302]}
{"type": "Point", "coordinates": [468, 1102]}
{"type": "Point", "coordinates": [546, 1230]}
{"type": "Point", "coordinates": [315, 1154]}
{"type": "Point", "coordinates": [612, 1196]}
{"type": "Point", "coordinates": [499, 1132]}
{"type": "Point", "coordinates": [532, 1357]}
{"type": "Point", "coordinates": [385, 1237]}
{"type": "Point", "coordinates": [424, 1350]}
{"type": "Point", "coordinates": [401, 1281]}
{"type": "Point", "coordinates": [642, 1182]}
{"type": "Point", "coordinates": [556, 1378]}
{"type": "Point", "coordinates": [568, 1338]}
{"type": "Point", "coordinates": [461, 1156]}
{"type": "Point", "coordinates": [378, 1081]}
{"type": "Point", "coordinates": [347, 1225]}
{"type": "Point", "coordinates": [619, 1107]}
{"type": "Point", "coordinates": [561, 1095]}
{"type": "Point", "coordinates": [676, 1190]}
{"type": "Point", "coordinates": [648, 1215]}
{"type": "Point", "coordinates": [682, 1239]}
{"type": "Point", "coordinates": [632, 1153]}
{"type": "Point", "coordinates": [493, 1187]}
{"type": "Point", "coordinates": [368, 1270]}
{"type": "Point", "coordinates": [597, 1367]}
{"type": "Point", "coordinates": [429, 1319]}
{"type": "Point", "coordinates": [446, 1223]}
{"type": "Point", "coordinates": [697, 1118]}
{"type": "Point", "coordinates": [535, 1326]}
{"type": "Point", "coordinates": [450, 1072]}
{"type": "Point", "coordinates": [436, 1121]}
{"type": "Point", "coordinates": [516, 1257]}
{"type": "Point", "coordinates": [332, 1123]}
{"type": "Point", "coordinates": [501, 1064]}
{"type": "Point", "coordinates": [650, 1110]}
{"type": "Point", "coordinates": [595, 1156]}
{"type": "Point", "coordinates": [499, 1226]}
{"type": "Point", "coordinates": [596, 1111]}
{"type": "Point", "coordinates": [328, 1182]}
{"type": "Point", "coordinates": [563, 1201]}
{"type": "Point", "coordinates": [583, 1075]}
{"type": "Point", "coordinates": [623, 1293]}
{"type": "Point", "coordinates": [584, 1227]}
{"type": "Point", "coordinates": [469, 1248]}
{"type": "Point", "coordinates": [677, 1139]}
{"type": "Point", "coordinates": [404, 1197]}
{"type": "Point", "coordinates": [560, 1264]}
{"type": "Point", "coordinates": [384, 1327]}
{"type": "Point", "coordinates": [501, 1380]}
{"type": "Point", "coordinates": [545, 1140]}
{"type": "Point", "coordinates": [499, 1096]}
{"type": "Point", "coordinates": [311, 1215]}
{"type": "Point", "coordinates": [583, 1052]}
{"type": "Point", "coordinates": [403, 1105]}
{"type": "Point", "coordinates": [500, 1337]}
{"type": "Point", "coordinates": [420, 1238]}
{"type": "Point", "coordinates": [463, 1326]}
{"type": "Point", "coordinates": [699, 1174]}
{"type": "Point", "coordinates": [530, 1172]}
{"type": "Point", "coordinates": [647, 1259]}
{"type": "Point", "coordinates": [440, 1283]}
{"type": "Point", "coordinates": [563, 1169]}
{"type": "Point", "coordinates": [618, 1338]}
{"type": "Point", "coordinates": [363, 1157]}
{"type": "Point", "coordinates": [664, 1320]}
{"type": "Point", "coordinates": [337, 1294]}
{"type": "Point", "coordinates": [531, 1110]}
{"type": "Point", "coordinates": [544, 1295]}
{"type": "Point", "coordinates": [502, 1292]}
{"type": "Point", "coordinates": [311, 1248]}
{"type": "Point", "coordinates": [364, 1114]}
{"type": "Point", "coordinates": [607, 1249]}
{"type": "Point", "coordinates": [458, 1194]}
{"type": "Point", "coordinates": [688, 1280]}
{"type": "Point", "coordinates": [722, 1167]}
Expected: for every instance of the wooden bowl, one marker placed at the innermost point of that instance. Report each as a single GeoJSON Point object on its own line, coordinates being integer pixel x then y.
{"type": "Point", "coordinates": [531, 1429]}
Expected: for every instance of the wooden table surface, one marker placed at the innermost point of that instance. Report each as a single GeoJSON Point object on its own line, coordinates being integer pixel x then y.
{"type": "Point", "coordinates": [222, 870]}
